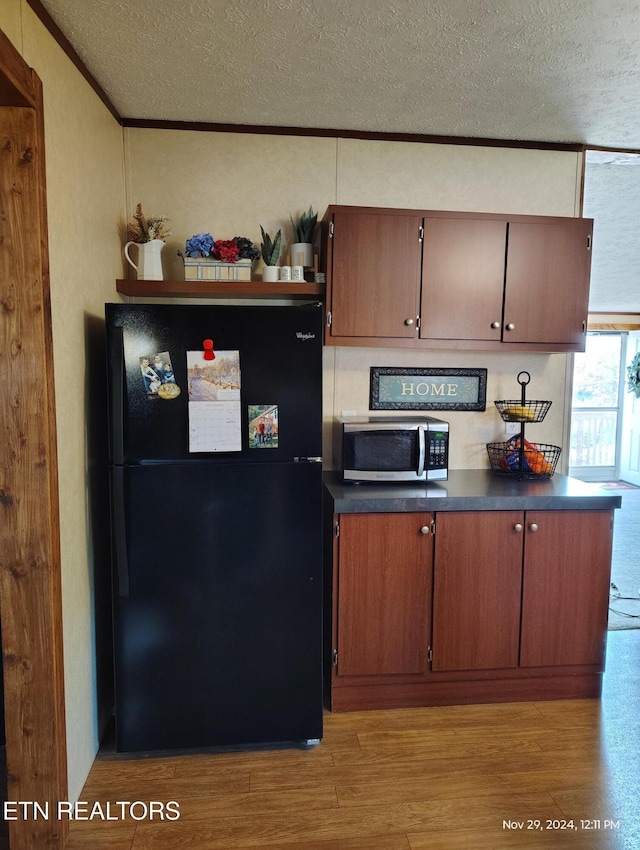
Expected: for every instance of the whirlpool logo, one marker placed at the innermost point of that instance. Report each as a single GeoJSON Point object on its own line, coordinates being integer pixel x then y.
{"type": "Point", "coordinates": [305, 336]}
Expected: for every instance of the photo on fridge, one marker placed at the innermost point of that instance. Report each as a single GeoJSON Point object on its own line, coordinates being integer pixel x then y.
{"type": "Point", "coordinates": [263, 426]}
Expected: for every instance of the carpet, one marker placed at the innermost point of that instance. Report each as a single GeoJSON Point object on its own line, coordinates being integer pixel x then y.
{"type": "Point", "coordinates": [624, 599]}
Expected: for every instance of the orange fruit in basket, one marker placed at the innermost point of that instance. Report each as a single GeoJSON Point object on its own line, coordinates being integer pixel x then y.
{"type": "Point", "coordinates": [536, 460]}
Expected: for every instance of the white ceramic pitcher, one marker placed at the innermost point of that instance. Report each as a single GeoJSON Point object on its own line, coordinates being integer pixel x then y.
{"type": "Point", "coordinates": [149, 260]}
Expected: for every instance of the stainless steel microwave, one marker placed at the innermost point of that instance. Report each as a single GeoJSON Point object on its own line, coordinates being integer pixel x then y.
{"type": "Point", "coordinates": [394, 448]}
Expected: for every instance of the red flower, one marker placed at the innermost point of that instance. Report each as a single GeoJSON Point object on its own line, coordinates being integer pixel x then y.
{"type": "Point", "coordinates": [226, 250]}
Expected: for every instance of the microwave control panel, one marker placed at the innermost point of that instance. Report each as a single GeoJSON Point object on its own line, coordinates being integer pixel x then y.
{"type": "Point", "coordinates": [437, 449]}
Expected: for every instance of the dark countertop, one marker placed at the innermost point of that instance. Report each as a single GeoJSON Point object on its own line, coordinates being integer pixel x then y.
{"type": "Point", "coordinates": [471, 490]}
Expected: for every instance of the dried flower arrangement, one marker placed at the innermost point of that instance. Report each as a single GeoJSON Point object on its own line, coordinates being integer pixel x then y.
{"type": "Point", "coordinates": [147, 228]}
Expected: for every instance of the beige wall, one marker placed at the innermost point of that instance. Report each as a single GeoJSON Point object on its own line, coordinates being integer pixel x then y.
{"type": "Point", "coordinates": [230, 184]}
{"type": "Point", "coordinates": [85, 195]}
{"type": "Point", "coordinates": [464, 177]}
{"type": "Point", "coordinates": [11, 21]}
{"type": "Point", "coordinates": [224, 183]}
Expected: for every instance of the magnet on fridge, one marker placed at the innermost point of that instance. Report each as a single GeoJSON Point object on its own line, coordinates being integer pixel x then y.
{"type": "Point", "coordinates": [208, 353]}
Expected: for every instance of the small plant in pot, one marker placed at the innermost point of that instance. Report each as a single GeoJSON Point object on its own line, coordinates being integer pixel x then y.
{"type": "Point", "coordinates": [270, 249]}
{"type": "Point", "coordinates": [302, 247]}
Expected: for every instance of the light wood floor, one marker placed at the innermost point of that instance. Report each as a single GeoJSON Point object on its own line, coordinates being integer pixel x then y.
{"type": "Point", "coordinates": [439, 778]}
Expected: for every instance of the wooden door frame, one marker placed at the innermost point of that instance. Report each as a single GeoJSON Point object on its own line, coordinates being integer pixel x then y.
{"type": "Point", "coordinates": [30, 564]}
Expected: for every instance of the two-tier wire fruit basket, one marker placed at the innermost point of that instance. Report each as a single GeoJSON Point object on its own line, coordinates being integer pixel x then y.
{"type": "Point", "coordinates": [518, 457]}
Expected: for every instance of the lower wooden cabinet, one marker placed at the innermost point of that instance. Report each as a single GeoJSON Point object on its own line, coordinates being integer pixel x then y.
{"type": "Point", "coordinates": [384, 599]}
{"type": "Point", "coordinates": [565, 587]}
{"type": "Point", "coordinates": [520, 589]}
{"type": "Point", "coordinates": [467, 606]}
{"type": "Point", "coordinates": [477, 590]}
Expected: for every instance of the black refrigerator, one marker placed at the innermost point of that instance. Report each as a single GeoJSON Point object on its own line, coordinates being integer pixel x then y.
{"type": "Point", "coordinates": [216, 500]}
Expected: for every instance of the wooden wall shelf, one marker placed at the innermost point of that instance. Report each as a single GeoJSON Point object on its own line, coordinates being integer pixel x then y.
{"type": "Point", "coordinates": [219, 289]}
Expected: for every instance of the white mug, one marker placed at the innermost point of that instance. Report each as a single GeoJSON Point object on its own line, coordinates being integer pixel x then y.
{"type": "Point", "coordinates": [285, 273]}
{"type": "Point", "coordinates": [297, 273]}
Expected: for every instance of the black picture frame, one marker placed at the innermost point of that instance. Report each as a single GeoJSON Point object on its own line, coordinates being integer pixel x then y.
{"type": "Point", "coordinates": [427, 389]}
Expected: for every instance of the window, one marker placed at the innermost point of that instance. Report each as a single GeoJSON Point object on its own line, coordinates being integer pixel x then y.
{"type": "Point", "coordinates": [595, 417]}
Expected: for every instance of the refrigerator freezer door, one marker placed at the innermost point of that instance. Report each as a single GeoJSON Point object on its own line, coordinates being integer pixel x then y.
{"type": "Point", "coordinates": [218, 626]}
{"type": "Point", "coordinates": [280, 354]}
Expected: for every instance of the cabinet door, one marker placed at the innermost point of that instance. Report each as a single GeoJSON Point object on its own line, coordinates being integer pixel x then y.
{"type": "Point", "coordinates": [384, 593]}
{"type": "Point", "coordinates": [476, 591]}
{"type": "Point", "coordinates": [375, 277]}
{"type": "Point", "coordinates": [462, 278]}
{"type": "Point", "coordinates": [547, 281]}
{"type": "Point", "coordinates": [565, 593]}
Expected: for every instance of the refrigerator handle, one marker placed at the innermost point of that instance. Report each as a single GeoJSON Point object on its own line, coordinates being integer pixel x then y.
{"type": "Point", "coordinates": [116, 354]}
{"type": "Point", "coordinates": [121, 561]}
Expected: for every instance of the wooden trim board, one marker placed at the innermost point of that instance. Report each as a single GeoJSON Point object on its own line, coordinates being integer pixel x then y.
{"type": "Point", "coordinates": [30, 582]}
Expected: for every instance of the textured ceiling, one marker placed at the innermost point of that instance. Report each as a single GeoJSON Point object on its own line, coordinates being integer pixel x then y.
{"type": "Point", "coordinates": [544, 70]}
{"type": "Point", "coordinates": [612, 200]}
{"type": "Point", "coordinates": [529, 70]}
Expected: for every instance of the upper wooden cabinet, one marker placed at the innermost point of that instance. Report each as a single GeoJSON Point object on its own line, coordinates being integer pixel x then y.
{"type": "Point", "coordinates": [551, 261]}
{"type": "Point", "coordinates": [376, 265]}
{"type": "Point", "coordinates": [422, 278]}
{"type": "Point", "coordinates": [463, 265]}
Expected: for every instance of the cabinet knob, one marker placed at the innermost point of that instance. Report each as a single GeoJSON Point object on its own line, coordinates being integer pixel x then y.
{"type": "Point", "coordinates": [518, 526]}
{"type": "Point", "coordinates": [511, 326]}
{"type": "Point", "coordinates": [425, 529]}
{"type": "Point", "coordinates": [533, 526]}
{"type": "Point", "coordinates": [495, 325]}
{"type": "Point", "coordinates": [409, 321]}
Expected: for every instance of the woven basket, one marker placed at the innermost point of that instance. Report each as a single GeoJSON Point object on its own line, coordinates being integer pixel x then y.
{"type": "Point", "coordinates": [535, 460]}
{"type": "Point", "coordinates": [522, 411]}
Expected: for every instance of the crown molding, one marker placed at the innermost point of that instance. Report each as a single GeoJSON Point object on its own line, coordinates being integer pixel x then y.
{"type": "Point", "coordinates": [324, 132]}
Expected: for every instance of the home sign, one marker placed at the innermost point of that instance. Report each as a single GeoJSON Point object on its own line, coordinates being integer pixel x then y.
{"type": "Point", "coordinates": [427, 389]}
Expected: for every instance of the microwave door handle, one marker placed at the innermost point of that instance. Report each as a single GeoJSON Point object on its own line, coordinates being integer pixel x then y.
{"type": "Point", "coordinates": [421, 450]}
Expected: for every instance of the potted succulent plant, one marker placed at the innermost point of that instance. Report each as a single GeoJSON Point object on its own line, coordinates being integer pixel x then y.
{"type": "Point", "coordinates": [302, 247]}
{"type": "Point", "coordinates": [270, 249]}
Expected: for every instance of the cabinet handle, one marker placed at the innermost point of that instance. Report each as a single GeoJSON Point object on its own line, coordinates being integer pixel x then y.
{"type": "Point", "coordinates": [495, 325]}
{"type": "Point", "coordinates": [518, 526]}
{"type": "Point", "coordinates": [511, 326]}
{"type": "Point", "coordinates": [409, 321]}
{"type": "Point", "coordinates": [425, 529]}
{"type": "Point", "coordinates": [533, 526]}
